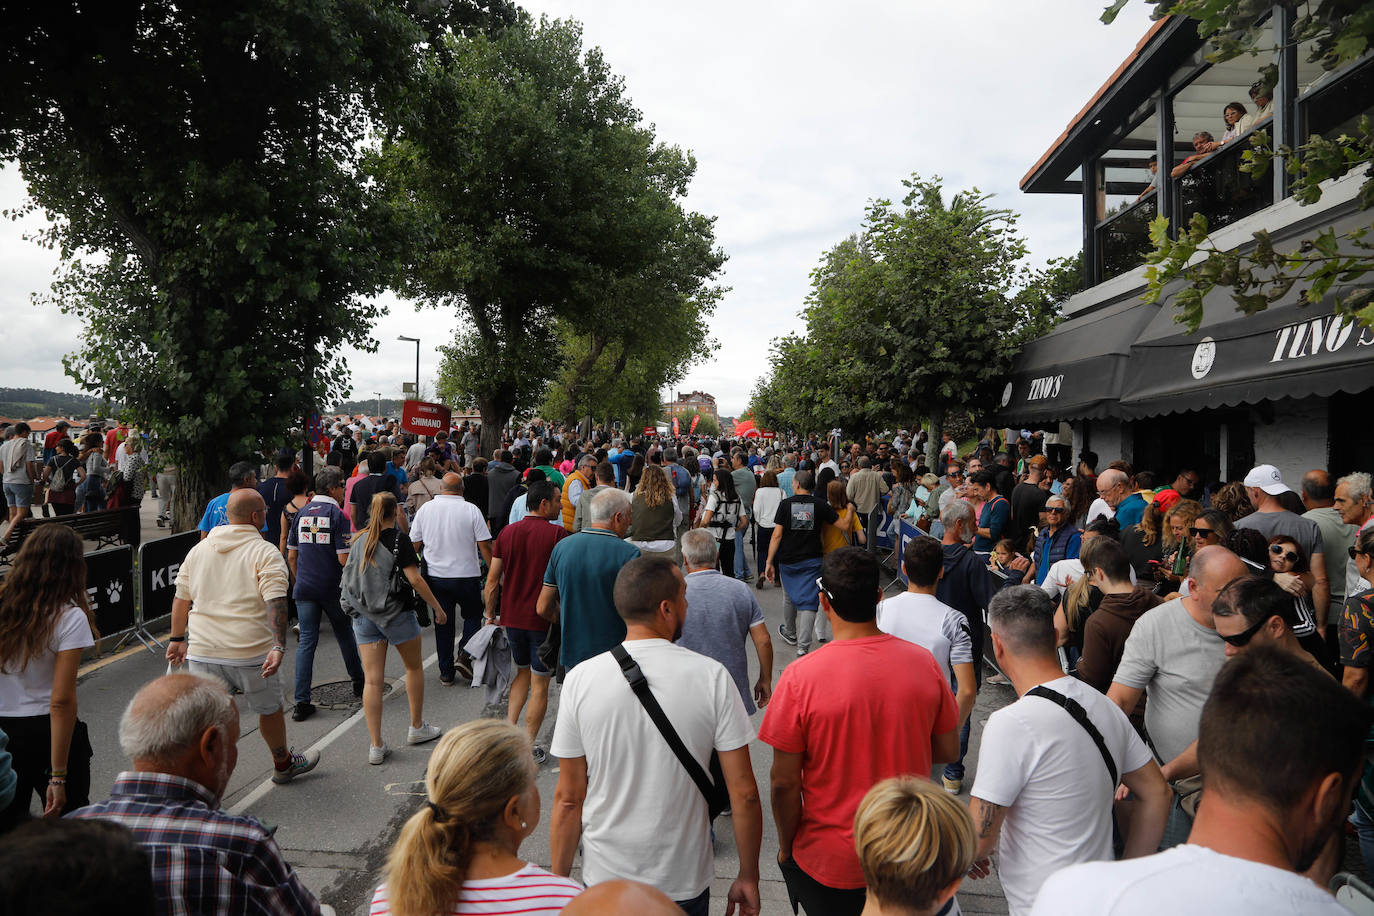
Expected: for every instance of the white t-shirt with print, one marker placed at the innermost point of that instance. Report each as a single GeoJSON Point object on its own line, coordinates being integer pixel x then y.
{"type": "Point", "coordinates": [1183, 880]}
{"type": "Point", "coordinates": [1040, 764]}
{"type": "Point", "coordinates": [28, 692]}
{"type": "Point", "coordinates": [930, 623]}
{"type": "Point", "coordinates": [643, 817]}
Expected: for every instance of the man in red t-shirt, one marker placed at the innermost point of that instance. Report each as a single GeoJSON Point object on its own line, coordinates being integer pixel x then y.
{"type": "Point", "coordinates": [865, 707]}
{"type": "Point", "coordinates": [54, 436]}
{"type": "Point", "coordinates": [112, 440]}
{"type": "Point", "coordinates": [519, 556]}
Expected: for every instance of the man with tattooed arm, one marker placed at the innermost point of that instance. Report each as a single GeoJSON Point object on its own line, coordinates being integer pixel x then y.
{"type": "Point", "coordinates": [229, 621]}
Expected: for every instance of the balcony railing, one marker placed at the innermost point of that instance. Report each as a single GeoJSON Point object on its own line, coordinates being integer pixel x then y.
{"type": "Point", "coordinates": [1123, 238]}
{"type": "Point", "coordinates": [1218, 189]}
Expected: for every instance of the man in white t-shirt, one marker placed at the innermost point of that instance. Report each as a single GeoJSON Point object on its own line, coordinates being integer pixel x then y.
{"type": "Point", "coordinates": [1044, 789]}
{"type": "Point", "coordinates": [452, 531]}
{"type": "Point", "coordinates": [1281, 747]}
{"type": "Point", "coordinates": [916, 615]}
{"type": "Point", "coordinates": [621, 790]}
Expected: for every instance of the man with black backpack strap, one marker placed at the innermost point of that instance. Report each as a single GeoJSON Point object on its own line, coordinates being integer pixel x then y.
{"type": "Point", "coordinates": [637, 726]}
{"type": "Point", "coordinates": [1049, 763]}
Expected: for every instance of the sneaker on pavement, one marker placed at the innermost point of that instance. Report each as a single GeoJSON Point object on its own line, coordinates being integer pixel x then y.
{"type": "Point", "coordinates": [953, 786]}
{"type": "Point", "coordinates": [425, 732]}
{"type": "Point", "coordinates": [375, 755]}
{"type": "Point", "coordinates": [463, 666]}
{"type": "Point", "coordinates": [759, 584]}
{"type": "Point", "coordinates": [302, 712]}
{"type": "Point", "coordinates": [540, 755]}
{"type": "Point", "coordinates": [300, 763]}
{"type": "Point", "coordinates": [445, 681]}
{"type": "Point", "coordinates": [789, 638]}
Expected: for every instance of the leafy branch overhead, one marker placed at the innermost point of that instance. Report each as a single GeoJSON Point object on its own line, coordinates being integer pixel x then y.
{"type": "Point", "coordinates": [1326, 266]}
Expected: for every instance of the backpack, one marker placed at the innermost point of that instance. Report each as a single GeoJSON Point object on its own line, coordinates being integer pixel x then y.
{"type": "Point", "coordinates": [682, 481]}
{"type": "Point", "coordinates": [61, 478]}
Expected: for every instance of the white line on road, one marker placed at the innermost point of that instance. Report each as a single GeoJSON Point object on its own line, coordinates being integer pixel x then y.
{"type": "Point", "coordinates": [334, 734]}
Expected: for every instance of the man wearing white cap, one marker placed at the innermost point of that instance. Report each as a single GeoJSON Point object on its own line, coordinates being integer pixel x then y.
{"type": "Point", "coordinates": [1263, 485]}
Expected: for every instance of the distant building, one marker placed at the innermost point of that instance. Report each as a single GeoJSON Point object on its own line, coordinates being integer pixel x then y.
{"type": "Point", "coordinates": [698, 401]}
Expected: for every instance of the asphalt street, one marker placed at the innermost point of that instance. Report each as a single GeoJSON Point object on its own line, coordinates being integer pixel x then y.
{"type": "Point", "coordinates": [336, 825]}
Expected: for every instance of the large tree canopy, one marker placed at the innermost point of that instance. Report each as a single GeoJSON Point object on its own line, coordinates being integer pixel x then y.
{"type": "Point", "coordinates": [547, 210]}
{"type": "Point", "coordinates": [200, 166]}
{"type": "Point", "coordinates": [920, 313]}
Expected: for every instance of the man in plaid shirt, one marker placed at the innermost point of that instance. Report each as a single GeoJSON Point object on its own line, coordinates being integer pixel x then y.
{"type": "Point", "coordinates": [182, 732]}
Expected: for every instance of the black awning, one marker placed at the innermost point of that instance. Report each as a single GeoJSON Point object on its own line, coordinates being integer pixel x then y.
{"type": "Point", "coordinates": [1286, 351]}
{"type": "Point", "coordinates": [1077, 370]}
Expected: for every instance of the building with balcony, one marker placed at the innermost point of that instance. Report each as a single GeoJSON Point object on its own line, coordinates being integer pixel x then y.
{"type": "Point", "coordinates": [1284, 385]}
{"type": "Point", "coordinates": [699, 401]}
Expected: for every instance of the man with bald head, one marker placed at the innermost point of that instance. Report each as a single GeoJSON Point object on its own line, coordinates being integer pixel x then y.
{"type": "Point", "coordinates": [181, 733]}
{"type": "Point", "coordinates": [622, 898]}
{"type": "Point", "coordinates": [450, 531]}
{"type": "Point", "coordinates": [1113, 486]}
{"type": "Point", "coordinates": [1319, 499]}
{"type": "Point", "coordinates": [1174, 653]}
{"type": "Point", "coordinates": [229, 621]}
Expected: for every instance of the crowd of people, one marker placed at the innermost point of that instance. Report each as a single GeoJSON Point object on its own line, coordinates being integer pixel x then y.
{"type": "Point", "coordinates": [1190, 660]}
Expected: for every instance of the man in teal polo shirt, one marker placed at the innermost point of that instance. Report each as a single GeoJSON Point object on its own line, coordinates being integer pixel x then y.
{"type": "Point", "coordinates": [579, 583]}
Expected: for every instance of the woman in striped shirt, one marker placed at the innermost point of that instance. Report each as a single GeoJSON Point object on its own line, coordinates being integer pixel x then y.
{"type": "Point", "coordinates": [459, 854]}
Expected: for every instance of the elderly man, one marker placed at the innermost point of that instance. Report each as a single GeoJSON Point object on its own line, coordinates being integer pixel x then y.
{"type": "Point", "coordinates": [1059, 539]}
{"type": "Point", "coordinates": [578, 482]}
{"type": "Point", "coordinates": [1113, 486]}
{"type": "Point", "coordinates": [1355, 503]}
{"type": "Point", "coordinates": [229, 621]}
{"type": "Point", "coordinates": [451, 531]}
{"type": "Point", "coordinates": [605, 480]}
{"type": "Point", "coordinates": [866, 489]}
{"type": "Point", "coordinates": [579, 581]}
{"type": "Point", "coordinates": [181, 732]}
{"type": "Point", "coordinates": [721, 613]}
{"type": "Point", "coordinates": [1318, 498]}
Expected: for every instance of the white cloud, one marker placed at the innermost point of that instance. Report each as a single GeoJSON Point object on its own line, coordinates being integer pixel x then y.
{"type": "Point", "coordinates": [798, 113]}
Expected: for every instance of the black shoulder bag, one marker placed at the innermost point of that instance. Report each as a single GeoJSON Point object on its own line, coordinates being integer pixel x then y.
{"type": "Point", "coordinates": [712, 787]}
{"type": "Point", "coordinates": [1080, 715]}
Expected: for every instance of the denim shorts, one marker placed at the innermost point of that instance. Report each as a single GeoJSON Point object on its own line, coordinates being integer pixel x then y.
{"type": "Point", "coordinates": [402, 629]}
{"type": "Point", "coordinates": [524, 648]}
{"type": "Point", "coordinates": [19, 495]}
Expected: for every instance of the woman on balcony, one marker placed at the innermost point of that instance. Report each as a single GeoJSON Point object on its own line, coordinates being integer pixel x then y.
{"type": "Point", "coordinates": [1234, 116]}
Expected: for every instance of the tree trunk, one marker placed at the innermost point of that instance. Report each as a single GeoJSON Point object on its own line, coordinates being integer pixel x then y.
{"type": "Point", "coordinates": [937, 427]}
{"type": "Point", "coordinates": [197, 483]}
{"type": "Point", "coordinates": [495, 414]}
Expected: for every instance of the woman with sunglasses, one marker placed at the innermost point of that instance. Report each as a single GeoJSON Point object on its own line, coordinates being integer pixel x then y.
{"type": "Point", "coordinates": [1212, 526]}
{"type": "Point", "coordinates": [1290, 571]}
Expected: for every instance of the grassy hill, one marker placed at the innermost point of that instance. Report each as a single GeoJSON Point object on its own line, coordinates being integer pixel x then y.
{"type": "Point", "coordinates": [35, 402]}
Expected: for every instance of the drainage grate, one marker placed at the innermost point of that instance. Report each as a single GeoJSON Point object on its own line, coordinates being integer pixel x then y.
{"type": "Point", "coordinates": [339, 695]}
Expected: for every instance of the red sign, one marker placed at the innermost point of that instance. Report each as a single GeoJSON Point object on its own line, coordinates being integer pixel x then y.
{"type": "Point", "coordinates": [650, 430]}
{"type": "Point", "coordinates": [693, 428]}
{"type": "Point", "coordinates": [425, 419]}
{"type": "Point", "coordinates": [769, 434]}
{"type": "Point", "coordinates": [674, 426]}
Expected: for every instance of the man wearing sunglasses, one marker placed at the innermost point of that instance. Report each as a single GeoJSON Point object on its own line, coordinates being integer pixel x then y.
{"type": "Point", "coordinates": [1058, 540]}
{"type": "Point", "coordinates": [1255, 611]}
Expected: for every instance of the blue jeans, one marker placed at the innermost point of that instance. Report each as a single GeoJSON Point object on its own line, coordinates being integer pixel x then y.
{"type": "Point", "coordinates": [309, 614]}
{"type": "Point", "coordinates": [1364, 828]}
{"type": "Point", "coordinates": [90, 494]}
{"type": "Point", "coordinates": [741, 561]}
{"type": "Point", "coordinates": [698, 905]}
{"type": "Point", "coordinates": [955, 770]}
{"type": "Point", "coordinates": [465, 597]}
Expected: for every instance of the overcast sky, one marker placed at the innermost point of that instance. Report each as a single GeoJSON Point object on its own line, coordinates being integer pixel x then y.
{"type": "Point", "coordinates": [798, 113]}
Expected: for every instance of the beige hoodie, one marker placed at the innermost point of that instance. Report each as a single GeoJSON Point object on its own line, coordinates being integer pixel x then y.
{"type": "Point", "coordinates": [229, 577]}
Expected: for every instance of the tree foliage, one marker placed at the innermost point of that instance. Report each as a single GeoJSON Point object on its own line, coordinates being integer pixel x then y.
{"type": "Point", "coordinates": [1326, 262]}
{"type": "Point", "coordinates": [199, 165]}
{"type": "Point", "coordinates": [921, 312]}
{"type": "Point", "coordinates": [548, 212]}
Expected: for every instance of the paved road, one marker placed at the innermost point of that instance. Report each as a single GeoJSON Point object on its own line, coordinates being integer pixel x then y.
{"type": "Point", "coordinates": [337, 824]}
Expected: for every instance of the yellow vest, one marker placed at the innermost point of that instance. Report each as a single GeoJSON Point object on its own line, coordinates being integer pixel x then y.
{"type": "Point", "coordinates": [569, 507]}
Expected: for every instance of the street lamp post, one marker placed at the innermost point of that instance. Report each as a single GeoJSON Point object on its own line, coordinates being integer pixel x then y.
{"type": "Point", "coordinates": [416, 341]}
{"type": "Point", "coordinates": [379, 404]}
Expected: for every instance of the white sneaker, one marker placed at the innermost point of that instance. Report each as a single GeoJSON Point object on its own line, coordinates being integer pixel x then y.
{"type": "Point", "coordinates": [375, 755]}
{"type": "Point", "coordinates": [425, 732]}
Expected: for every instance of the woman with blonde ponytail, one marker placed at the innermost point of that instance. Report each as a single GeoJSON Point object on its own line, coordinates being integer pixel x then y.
{"type": "Point", "coordinates": [459, 853]}
{"type": "Point", "coordinates": [915, 844]}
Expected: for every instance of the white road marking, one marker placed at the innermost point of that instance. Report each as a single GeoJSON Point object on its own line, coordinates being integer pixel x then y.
{"type": "Point", "coordinates": [333, 735]}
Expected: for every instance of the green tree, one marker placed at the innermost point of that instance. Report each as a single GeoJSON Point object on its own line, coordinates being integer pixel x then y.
{"type": "Point", "coordinates": [706, 426]}
{"type": "Point", "coordinates": [921, 313]}
{"type": "Point", "coordinates": [548, 211]}
{"type": "Point", "coordinates": [200, 168]}
{"type": "Point", "coordinates": [1326, 261]}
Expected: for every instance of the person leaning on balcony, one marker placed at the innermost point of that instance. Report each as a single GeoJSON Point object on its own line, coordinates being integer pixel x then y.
{"type": "Point", "coordinates": [1153, 166]}
{"type": "Point", "coordinates": [1234, 115]}
{"type": "Point", "coordinates": [1203, 143]}
{"type": "Point", "coordinates": [1263, 97]}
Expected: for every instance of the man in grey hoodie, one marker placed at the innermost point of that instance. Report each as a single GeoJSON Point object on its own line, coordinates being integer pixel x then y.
{"type": "Point", "coordinates": [501, 477]}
